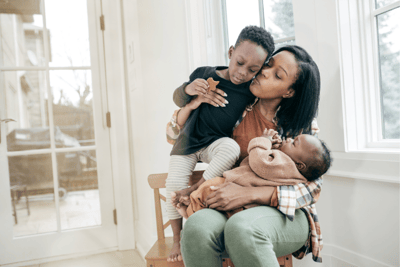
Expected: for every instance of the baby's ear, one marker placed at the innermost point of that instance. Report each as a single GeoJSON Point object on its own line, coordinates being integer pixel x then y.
{"type": "Point", "coordinates": [301, 166]}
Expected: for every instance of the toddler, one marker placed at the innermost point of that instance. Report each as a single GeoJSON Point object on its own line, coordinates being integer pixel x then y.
{"type": "Point", "coordinates": [205, 135]}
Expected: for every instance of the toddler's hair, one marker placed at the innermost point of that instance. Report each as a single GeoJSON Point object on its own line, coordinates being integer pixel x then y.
{"type": "Point", "coordinates": [257, 35]}
{"type": "Point", "coordinates": [321, 163]}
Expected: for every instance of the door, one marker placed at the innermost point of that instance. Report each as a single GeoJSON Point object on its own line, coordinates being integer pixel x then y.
{"type": "Point", "coordinates": [56, 188]}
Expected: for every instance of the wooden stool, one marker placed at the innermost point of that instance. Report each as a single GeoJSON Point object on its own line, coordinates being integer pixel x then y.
{"type": "Point", "coordinates": [158, 254]}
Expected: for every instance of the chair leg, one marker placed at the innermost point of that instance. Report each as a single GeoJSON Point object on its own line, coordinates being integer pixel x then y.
{"type": "Point", "coordinates": [288, 261]}
{"type": "Point", "coordinates": [226, 262]}
{"type": "Point", "coordinates": [27, 200]}
{"type": "Point", "coordinates": [14, 208]}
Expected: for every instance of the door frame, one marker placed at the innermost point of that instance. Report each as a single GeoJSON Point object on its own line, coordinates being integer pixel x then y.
{"type": "Point", "coordinates": [119, 132]}
{"type": "Point", "coordinates": [110, 41]}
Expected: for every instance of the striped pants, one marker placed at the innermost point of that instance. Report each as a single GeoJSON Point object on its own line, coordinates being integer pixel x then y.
{"type": "Point", "coordinates": [221, 155]}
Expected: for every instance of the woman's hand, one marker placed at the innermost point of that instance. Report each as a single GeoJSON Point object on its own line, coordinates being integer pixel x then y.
{"type": "Point", "coordinates": [229, 196]}
{"type": "Point", "coordinates": [214, 98]}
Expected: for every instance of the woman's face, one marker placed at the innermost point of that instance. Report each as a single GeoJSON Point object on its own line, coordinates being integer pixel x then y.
{"type": "Point", "coordinates": [275, 80]}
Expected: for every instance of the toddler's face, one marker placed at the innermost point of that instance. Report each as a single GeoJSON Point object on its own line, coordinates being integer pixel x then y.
{"type": "Point", "coordinates": [246, 60]}
{"type": "Point", "coordinates": [302, 148]}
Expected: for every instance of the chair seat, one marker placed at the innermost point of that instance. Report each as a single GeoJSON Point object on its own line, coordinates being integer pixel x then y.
{"type": "Point", "coordinates": [159, 252]}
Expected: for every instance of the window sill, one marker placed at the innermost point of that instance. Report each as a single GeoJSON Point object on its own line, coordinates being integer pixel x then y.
{"type": "Point", "coordinates": [371, 165]}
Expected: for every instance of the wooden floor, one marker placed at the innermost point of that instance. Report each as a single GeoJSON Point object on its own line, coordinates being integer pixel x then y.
{"type": "Point", "coordinates": [128, 258]}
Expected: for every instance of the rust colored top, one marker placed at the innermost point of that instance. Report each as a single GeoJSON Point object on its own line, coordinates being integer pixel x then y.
{"type": "Point", "coordinates": [252, 126]}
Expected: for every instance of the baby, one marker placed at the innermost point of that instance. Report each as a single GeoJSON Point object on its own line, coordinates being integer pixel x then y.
{"type": "Point", "coordinates": [303, 159]}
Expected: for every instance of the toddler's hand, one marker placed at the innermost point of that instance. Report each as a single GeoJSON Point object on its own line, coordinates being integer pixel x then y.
{"type": "Point", "coordinates": [197, 87]}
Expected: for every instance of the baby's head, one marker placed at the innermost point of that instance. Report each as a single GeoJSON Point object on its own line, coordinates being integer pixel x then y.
{"type": "Point", "coordinates": [253, 48]}
{"type": "Point", "coordinates": [310, 154]}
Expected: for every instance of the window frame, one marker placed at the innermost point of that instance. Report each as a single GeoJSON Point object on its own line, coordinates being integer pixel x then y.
{"type": "Point", "coordinates": [361, 76]}
{"type": "Point", "coordinates": [330, 44]}
{"type": "Point", "coordinates": [262, 24]}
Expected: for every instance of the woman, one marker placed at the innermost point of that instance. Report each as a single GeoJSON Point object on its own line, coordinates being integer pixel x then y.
{"type": "Point", "coordinates": [288, 90]}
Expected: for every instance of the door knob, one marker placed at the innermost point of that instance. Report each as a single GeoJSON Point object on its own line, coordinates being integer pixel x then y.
{"type": "Point", "coordinates": [6, 121]}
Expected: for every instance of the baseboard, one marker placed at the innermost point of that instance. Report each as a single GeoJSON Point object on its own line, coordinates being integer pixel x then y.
{"type": "Point", "coordinates": [347, 258]}
{"type": "Point", "coordinates": [58, 258]}
{"type": "Point", "coordinates": [144, 238]}
{"type": "Point", "coordinates": [141, 250]}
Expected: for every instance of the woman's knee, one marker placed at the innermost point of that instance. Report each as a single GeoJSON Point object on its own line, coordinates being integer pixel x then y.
{"type": "Point", "coordinates": [244, 226]}
{"type": "Point", "coordinates": [238, 228]}
{"type": "Point", "coordinates": [203, 227]}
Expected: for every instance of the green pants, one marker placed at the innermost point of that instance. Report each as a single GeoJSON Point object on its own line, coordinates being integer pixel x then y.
{"type": "Point", "coordinates": [253, 237]}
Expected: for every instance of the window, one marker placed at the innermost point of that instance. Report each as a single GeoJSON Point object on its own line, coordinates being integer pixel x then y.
{"type": "Point", "coordinates": [276, 16]}
{"type": "Point", "coordinates": [370, 67]}
{"type": "Point", "coordinates": [388, 49]}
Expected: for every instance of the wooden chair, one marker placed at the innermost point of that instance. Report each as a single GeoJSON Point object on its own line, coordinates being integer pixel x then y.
{"type": "Point", "coordinates": [158, 254]}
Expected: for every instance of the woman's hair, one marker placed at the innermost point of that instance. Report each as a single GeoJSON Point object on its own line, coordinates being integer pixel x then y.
{"type": "Point", "coordinates": [295, 114]}
{"type": "Point", "coordinates": [259, 36]}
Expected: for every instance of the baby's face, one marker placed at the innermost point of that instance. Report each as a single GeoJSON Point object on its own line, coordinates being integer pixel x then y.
{"type": "Point", "coordinates": [302, 148]}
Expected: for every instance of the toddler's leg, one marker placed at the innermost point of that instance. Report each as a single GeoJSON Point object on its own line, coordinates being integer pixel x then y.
{"type": "Point", "coordinates": [180, 169]}
{"type": "Point", "coordinates": [221, 155]}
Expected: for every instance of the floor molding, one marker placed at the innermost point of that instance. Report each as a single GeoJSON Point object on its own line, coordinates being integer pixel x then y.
{"type": "Point", "coordinates": [58, 258]}
{"type": "Point", "coordinates": [350, 257]}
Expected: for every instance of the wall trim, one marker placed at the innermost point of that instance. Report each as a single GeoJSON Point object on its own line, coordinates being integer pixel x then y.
{"type": "Point", "coordinates": [380, 167]}
{"type": "Point", "coordinates": [145, 239]}
{"type": "Point", "coordinates": [360, 176]}
{"type": "Point", "coordinates": [58, 258]}
{"type": "Point", "coordinates": [142, 252]}
{"type": "Point", "coordinates": [351, 257]}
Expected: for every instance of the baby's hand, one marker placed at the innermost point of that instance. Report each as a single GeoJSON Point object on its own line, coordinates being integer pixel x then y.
{"type": "Point", "coordinates": [274, 137]}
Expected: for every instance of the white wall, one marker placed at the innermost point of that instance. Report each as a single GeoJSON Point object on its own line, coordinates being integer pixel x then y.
{"type": "Point", "coordinates": [359, 218]}
{"type": "Point", "coordinates": [157, 30]}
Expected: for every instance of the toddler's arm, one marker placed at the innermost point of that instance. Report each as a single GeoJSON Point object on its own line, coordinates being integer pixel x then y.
{"type": "Point", "coordinates": [180, 97]}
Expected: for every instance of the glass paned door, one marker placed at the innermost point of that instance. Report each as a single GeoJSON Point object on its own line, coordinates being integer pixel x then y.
{"type": "Point", "coordinates": [55, 165]}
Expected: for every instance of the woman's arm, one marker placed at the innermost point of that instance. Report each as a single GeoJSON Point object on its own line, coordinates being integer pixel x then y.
{"type": "Point", "coordinates": [185, 112]}
{"type": "Point", "coordinates": [291, 197]}
{"type": "Point", "coordinates": [229, 196]}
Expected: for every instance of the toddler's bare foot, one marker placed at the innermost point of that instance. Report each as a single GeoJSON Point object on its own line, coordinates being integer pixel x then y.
{"type": "Point", "coordinates": [181, 208]}
{"type": "Point", "coordinates": [175, 254]}
{"type": "Point", "coordinates": [185, 200]}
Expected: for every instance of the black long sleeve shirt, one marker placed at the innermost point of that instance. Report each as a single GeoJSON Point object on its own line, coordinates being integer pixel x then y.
{"type": "Point", "coordinates": [207, 123]}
